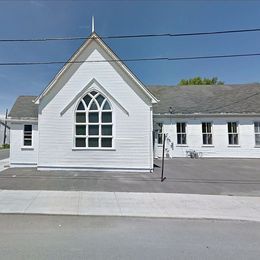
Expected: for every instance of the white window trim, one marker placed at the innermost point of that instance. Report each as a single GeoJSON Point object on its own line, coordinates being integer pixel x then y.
{"type": "Point", "coordinates": [186, 132]}
{"type": "Point", "coordinates": [256, 133]}
{"type": "Point", "coordinates": [160, 145]}
{"type": "Point", "coordinates": [238, 135]}
{"type": "Point", "coordinates": [93, 148]}
{"type": "Point", "coordinates": [99, 136]}
{"type": "Point", "coordinates": [212, 126]}
{"type": "Point", "coordinates": [27, 147]}
{"type": "Point", "coordinates": [87, 89]}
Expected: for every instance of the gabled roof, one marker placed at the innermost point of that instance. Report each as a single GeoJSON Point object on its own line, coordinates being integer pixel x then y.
{"type": "Point", "coordinates": [185, 100]}
{"type": "Point", "coordinates": [113, 56]}
{"type": "Point", "coordinates": [215, 99]}
{"type": "Point", "coordinates": [24, 108]}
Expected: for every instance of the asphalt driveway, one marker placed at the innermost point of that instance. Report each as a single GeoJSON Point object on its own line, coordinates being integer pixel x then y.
{"type": "Point", "coordinates": [201, 176]}
{"type": "Point", "coordinates": [4, 154]}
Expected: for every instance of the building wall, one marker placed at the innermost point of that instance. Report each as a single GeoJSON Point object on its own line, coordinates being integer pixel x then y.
{"type": "Point", "coordinates": [220, 147]}
{"type": "Point", "coordinates": [132, 131]}
{"type": "Point", "coordinates": [21, 156]}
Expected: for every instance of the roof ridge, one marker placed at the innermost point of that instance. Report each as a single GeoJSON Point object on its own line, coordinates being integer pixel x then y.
{"type": "Point", "coordinates": [211, 85]}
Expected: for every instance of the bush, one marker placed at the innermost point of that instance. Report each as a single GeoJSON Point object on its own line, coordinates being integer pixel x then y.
{"type": "Point", "coordinates": [5, 146]}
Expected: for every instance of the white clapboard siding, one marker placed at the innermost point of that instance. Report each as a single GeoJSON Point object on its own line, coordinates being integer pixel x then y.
{"type": "Point", "coordinates": [21, 156]}
{"type": "Point", "coordinates": [220, 147]}
{"type": "Point", "coordinates": [132, 131]}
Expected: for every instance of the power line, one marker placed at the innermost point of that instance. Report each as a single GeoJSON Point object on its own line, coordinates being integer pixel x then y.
{"type": "Point", "coordinates": [133, 36]}
{"type": "Point", "coordinates": [130, 60]}
{"type": "Point", "coordinates": [214, 109]}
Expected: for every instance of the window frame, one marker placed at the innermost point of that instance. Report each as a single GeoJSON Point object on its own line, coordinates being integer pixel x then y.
{"type": "Point", "coordinates": [27, 138]}
{"type": "Point", "coordinates": [181, 134]}
{"type": "Point", "coordinates": [160, 133]}
{"type": "Point", "coordinates": [207, 133]}
{"type": "Point", "coordinates": [233, 133]}
{"type": "Point", "coordinates": [99, 123]}
{"type": "Point", "coordinates": [256, 133]}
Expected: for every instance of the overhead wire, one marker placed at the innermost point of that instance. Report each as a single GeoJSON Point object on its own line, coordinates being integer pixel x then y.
{"type": "Point", "coordinates": [72, 38]}
{"type": "Point", "coordinates": [31, 63]}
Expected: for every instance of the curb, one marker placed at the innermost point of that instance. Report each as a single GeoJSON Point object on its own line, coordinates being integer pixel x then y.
{"type": "Point", "coordinates": [132, 216]}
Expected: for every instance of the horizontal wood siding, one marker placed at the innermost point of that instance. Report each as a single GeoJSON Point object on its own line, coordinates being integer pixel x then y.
{"type": "Point", "coordinates": [19, 155]}
{"type": "Point", "coordinates": [220, 147]}
{"type": "Point", "coordinates": [132, 132]}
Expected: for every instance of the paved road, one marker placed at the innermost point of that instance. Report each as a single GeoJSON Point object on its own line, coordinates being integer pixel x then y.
{"type": "Point", "coordinates": [203, 176]}
{"type": "Point", "coordinates": [56, 237]}
{"type": "Point", "coordinates": [4, 154]}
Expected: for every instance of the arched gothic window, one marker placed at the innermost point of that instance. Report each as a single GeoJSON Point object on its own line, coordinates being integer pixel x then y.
{"type": "Point", "coordinates": [93, 122]}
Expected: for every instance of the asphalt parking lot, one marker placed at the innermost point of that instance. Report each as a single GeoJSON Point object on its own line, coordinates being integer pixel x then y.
{"type": "Point", "coordinates": [183, 175]}
{"type": "Point", "coordinates": [4, 154]}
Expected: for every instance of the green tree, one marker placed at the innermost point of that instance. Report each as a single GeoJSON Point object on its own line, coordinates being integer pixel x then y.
{"type": "Point", "coordinates": [200, 81]}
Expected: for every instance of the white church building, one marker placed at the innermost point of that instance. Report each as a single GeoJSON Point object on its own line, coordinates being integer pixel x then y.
{"type": "Point", "coordinates": [97, 115]}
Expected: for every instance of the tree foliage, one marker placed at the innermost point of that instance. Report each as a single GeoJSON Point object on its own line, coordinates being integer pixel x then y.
{"type": "Point", "coordinates": [200, 81]}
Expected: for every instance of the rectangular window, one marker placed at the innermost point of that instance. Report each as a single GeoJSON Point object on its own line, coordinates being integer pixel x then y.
{"type": "Point", "coordinates": [160, 134]}
{"type": "Point", "coordinates": [257, 133]}
{"type": "Point", "coordinates": [232, 133]}
{"type": "Point", "coordinates": [181, 133]}
{"type": "Point", "coordinates": [27, 135]}
{"type": "Point", "coordinates": [207, 133]}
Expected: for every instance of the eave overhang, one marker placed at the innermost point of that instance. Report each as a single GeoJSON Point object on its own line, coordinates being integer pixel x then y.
{"type": "Point", "coordinates": [196, 115]}
{"type": "Point", "coordinates": [22, 120]}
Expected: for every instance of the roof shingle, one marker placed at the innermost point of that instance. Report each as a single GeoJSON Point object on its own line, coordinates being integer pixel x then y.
{"type": "Point", "coordinates": [209, 99]}
{"type": "Point", "coordinates": [24, 107]}
{"type": "Point", "coordinates": [213, 99]}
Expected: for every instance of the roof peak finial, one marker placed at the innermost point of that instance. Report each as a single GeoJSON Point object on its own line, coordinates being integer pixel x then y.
{"type": "Point", "coordinates": [93, 23]}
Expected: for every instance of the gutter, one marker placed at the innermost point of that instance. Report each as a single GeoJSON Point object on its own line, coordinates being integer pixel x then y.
{"type": "Point", "coordinates": [168, 115]}
{"type": "Point", "coordinates": [22, 120]}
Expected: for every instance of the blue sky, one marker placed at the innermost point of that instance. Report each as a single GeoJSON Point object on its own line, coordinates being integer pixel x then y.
{"type": "Point", "coordinates": [37, 19]}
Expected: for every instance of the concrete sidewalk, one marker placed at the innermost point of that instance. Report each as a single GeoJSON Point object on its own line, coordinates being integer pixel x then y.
{"type": "Point", "coordinates": [162, 205]}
